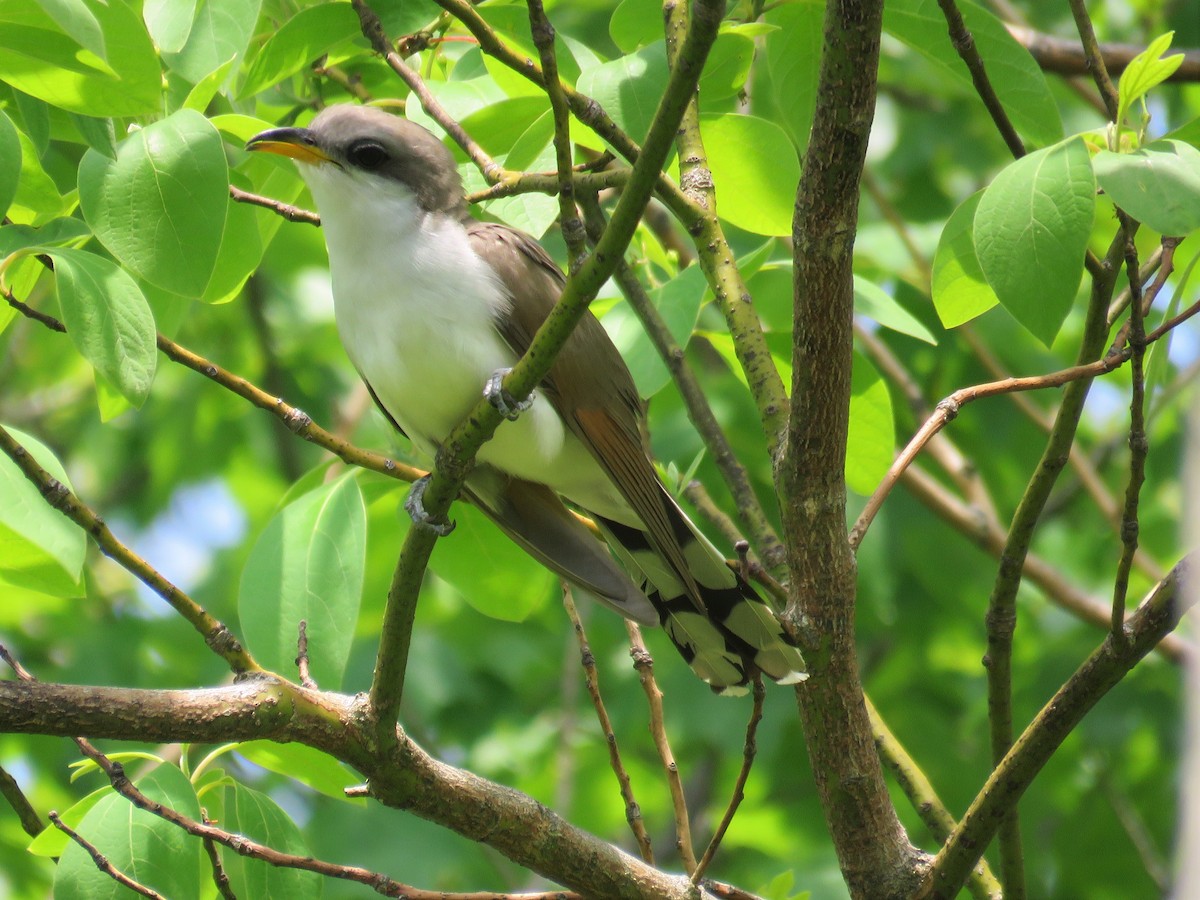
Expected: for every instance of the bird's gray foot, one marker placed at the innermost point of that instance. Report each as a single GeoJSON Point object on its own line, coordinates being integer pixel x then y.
{"type": "Point", "coordinates": [502, 399]}
{"type": "Point", "coordinates": [414, 506]}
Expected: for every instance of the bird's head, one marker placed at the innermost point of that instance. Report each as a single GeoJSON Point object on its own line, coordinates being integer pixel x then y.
{"type": "Point", "coordinates": [349, 149]}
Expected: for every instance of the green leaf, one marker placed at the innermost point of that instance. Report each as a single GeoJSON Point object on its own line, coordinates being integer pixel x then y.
{"type": "Point", "coordinates": [1144, 72]}
{"type": "Point", "coordinates": [158, 854]}
{"type": "Point", "coordinates": [300, 40]}
{"type": "Point", "coordinates": [160, 206]}
{"type": "Point", "coordinates": [77, 20]}
{"type": "Point", "coordinates": [220, 32]}
{"type": "Point", "coordinates": [99, 134]}
{"type": "Point", "coordinates": [726, 70]}
{"type": "Point", "coordinates": [960, 289]}
{"type": "Point", "coordinates": [37, 200]}
{"type": "Point", "coordinates": [533, 150]}
{"type": "Point", "coordinates": [260, 818]}
{"type": "Point", "coordinates": [10, 162]}
{"type": "Point", "coordinates": [874, 302]}
{"type": "Point", "coordinates": [169, 22]}
{"type": "Point", "coordinates": [54, 232]}
{"type": "Point", "coordinates": [755, 169]}
{"type": "Point", "coordinates": [635, 24]}
{"type": "Point", "coordinates": [793, 55]}
{"type": "Point", "coordinates": [40, 548]}
{"type": "Point", "coordinates": [38, 58]}
{"type": "Point", "coordinates": [492, 574]}
{"type": "Point", "coordinates": [871, 443]}
{"type": "Point", "coordinates": [318, 770]}
{"type": "Point", "coordinates": [629, 88]}
{"type": "Point", "coordinates": [307, 565]}
{"type": "Point", "coordinates": [1159, 185]}
{"type": "Point", "coordinates": [1031, 233]}
{"type": "Point", "coordinates": [108, 319]}
{"type": "Point", "coordinates": [678, 301]}
{"type": "Point", "coordinates": [1017, 79]}
{"type": "Point", "coordinates": [52, 842]}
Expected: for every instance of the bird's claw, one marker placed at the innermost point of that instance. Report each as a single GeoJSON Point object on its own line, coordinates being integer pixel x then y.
{"type": "Point", "coordinates": [502, 400]}
{"type": "Point", "coordinates": [415, 508]}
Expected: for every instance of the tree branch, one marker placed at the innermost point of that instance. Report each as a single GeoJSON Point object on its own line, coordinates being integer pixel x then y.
{"type": "Point", "coordinates": [404, 777]}
{"type": "Point", "coordinates": [214, 632]}
{"type": "Point", "coordinates": [1066, 57]}
{"type": "Point", "coordinates": [964, 44]}
{"type": "Point", "coordinates": [1158, 614]}
{"type": "Point", "coordinates": [875, 854]}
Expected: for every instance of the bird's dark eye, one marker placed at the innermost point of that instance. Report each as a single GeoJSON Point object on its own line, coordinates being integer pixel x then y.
{"type": "Point", "coordinates": [367, 154]}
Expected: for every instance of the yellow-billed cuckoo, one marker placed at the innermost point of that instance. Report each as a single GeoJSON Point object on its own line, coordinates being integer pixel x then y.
{"type": "Point", "coordinates": [431, 304]}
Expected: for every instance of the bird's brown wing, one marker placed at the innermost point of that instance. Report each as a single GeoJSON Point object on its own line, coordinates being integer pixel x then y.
{"type": "Point", "coordinates": [589, 384]}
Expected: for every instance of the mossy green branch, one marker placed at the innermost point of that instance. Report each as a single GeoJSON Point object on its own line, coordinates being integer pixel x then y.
{"type": "Point", "coordinates": [1157, 616]}
{"type": "Point", "coordinates": [1001, 619]}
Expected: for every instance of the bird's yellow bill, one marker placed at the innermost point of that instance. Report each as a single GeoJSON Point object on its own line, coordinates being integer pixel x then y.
{"type": "Point", "coordinates": [282, 141]}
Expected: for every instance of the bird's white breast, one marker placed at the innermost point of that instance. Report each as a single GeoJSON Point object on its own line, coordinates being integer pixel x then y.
{"type": "Point", "coordinates": [415, 308]}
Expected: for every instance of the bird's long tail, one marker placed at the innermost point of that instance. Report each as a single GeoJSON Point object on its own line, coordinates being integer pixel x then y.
{"type": "Point", "coordinates": [727, 633]}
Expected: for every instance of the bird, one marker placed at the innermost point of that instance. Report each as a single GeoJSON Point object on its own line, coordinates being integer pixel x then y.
{"type": "Point", "coordinates": [432, 307]}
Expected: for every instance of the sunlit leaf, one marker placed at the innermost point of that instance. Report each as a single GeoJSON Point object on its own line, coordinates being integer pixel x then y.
{"type": "Point", "coordinates": [756, 170]}
{"type": "Point", "coordinates": [108, 319]}
{"type": "Point", "coordinates": [152, 850]}
{"type": "Point", "coordinates": [960, 289]}
{"type": "Point", "coordinates": [1159, 185]}
{"type": "Point", "coordinates": [307, 565]}
{"type": "Point", "coordinates": [160, 206]}
{"type": "Point", "coordinates": [1031, 230]}
{"type": "Point", "coordinates": [40, 548]}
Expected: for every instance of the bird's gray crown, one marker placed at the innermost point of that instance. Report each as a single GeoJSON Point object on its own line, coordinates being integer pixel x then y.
{"type": "Point", "coordinates": [365, 138]}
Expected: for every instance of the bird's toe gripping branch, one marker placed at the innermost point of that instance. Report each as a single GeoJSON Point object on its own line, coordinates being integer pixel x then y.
{"type": "Point", "coordinates": [415, 507]}
{"type": "Point", "coordinates": [502, 400]}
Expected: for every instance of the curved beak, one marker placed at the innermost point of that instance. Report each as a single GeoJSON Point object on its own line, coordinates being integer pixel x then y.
{"type": "Point", "coordinates": [297, 143]}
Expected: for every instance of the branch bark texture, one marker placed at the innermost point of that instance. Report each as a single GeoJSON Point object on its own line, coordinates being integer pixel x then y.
{"type": "Point", "coordinates": [876, 857]}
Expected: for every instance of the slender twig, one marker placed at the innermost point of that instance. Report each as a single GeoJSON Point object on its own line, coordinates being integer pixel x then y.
{"type": "Point", "coordinates": [749, 751]}
{"type": "Point", "coordinates": [585, 179]}
{"type": "Point", "coordinates": [644, 663]}
{"type": "Point", "coordinates": [244, 846]}
{"type": "Point", "coordinates": [220, 876]}
{"type": "Point", "coordinates": [216, 635]}
{"type": "Point", "coordinates": [1156, 616]}
{"type": "Point", "coordinates": [964, 43]}
{"type": "Point", "coordinates": [1065, 57]}
{"type": "Point", "coordinates": [1134, 826]}
{"type": "Point", "coordinates": [30, 821]}
{"type": "Point", "coordinates": [289, 212]}
{"type": "Point", "coordinates": [1094, 57]}
{"type": "Point", "coordinates": [302, 662]}
{"type": "Point", "coordinates": [1139, 445]}
{"type": "Point", "coordinates": [700, 411]}
{"type": "Point", "coordinates": [924, 799]}
{"type": "Point", "coordinates": [948, 409]}
{"type": "Point", "coordinates": [372, 30]}
{"type": "Point", "coordinates": [633, 811]}
{"type": "Point", "coordinates": [296, 420]}
{"type": "Point", "coordinates": [716, 258]}
{"type": "Point", "coordinates": [568, 214]}
{"type": "Point", "coordinates": [102, 862]}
